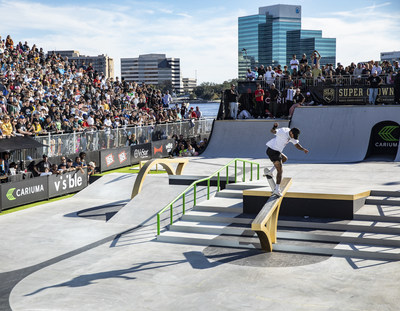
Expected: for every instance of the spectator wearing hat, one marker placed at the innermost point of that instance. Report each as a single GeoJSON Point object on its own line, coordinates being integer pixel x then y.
{"type": "Point", "coordinates": [20, 127]}
{"type": "Point", "coordinates": [303, 61]}
{"type": "Point", "coordinates": [6, 127]}
{"type": "Point", "coordinates": [91, 169]}
{"type": "Point", "coordinates": [308, 101]}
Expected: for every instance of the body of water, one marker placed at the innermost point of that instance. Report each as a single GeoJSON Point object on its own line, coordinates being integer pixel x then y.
{"type": "Point", "coordinates": [209, 109]}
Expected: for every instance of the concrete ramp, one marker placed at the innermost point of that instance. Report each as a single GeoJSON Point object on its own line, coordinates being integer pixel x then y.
{"type": "Point", "coordinates": [240, 138]}
{"type": "Point", "coordinates": [336, 134]}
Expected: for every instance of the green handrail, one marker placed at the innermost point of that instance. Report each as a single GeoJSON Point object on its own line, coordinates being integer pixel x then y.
{"type": "Point", "coordinates": [208, 179]}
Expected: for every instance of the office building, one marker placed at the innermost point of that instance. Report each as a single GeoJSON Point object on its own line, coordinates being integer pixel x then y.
{"type": "Point", "coordinates": [390, 56]}
{"type": "Point", "coordinates": [189, 84]}
{"type": "Point", "coordinates": [273, 35]}
{"type": "Point", "coordinates": [101, 63]}
{"type": "Point", "coordinates": [152, 69]}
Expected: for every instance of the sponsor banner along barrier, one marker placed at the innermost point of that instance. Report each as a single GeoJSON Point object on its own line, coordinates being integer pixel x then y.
{"type": "Point", "coordinates": [23, 192]}
{"type": "Point", "coordinates": [140, 153]}
{"type": "Point", "coordinates": [114, 158]}
{"type": "Point", "coordinates": [67, 183]}
{"type": "Point", "coordinates": [350, 95]}
{"type": "Point", "coordinates": [162, 148]}
{"type": "Point", "coordinates": [41, 188]}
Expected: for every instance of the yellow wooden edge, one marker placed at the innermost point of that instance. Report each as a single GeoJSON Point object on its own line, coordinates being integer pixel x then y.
{"type": "Point", "coordinates": [302, 195]}
{"type": "Point", "coordinates": [258, 226]}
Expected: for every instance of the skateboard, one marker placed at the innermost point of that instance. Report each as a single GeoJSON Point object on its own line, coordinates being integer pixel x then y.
{"type": "Point", "coordinates": [271, 182]}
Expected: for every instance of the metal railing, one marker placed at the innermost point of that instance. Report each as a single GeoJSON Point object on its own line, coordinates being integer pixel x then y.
{"type": "Point", "coordinates": [194, 184]}
{"type": "Point", "coordinates": [282, 82]}
{"type": "Point", "coordinates": [93, 140]}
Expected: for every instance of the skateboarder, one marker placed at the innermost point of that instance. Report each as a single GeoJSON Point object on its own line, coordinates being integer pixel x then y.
{"type": "Point", "coordinates": [283, 136]}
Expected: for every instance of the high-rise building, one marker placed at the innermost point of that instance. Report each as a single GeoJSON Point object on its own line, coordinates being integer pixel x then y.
{"type": "Point", "coordinates": [152, 69]}
{"type": "Point", "coordinates": [189, 84]}
{"type": "Point", "coordinates": [273, 35]}
{"type": "Point", "coordinates": [390, 56]}
{"type": "Point", "coordinates": [101, 63]}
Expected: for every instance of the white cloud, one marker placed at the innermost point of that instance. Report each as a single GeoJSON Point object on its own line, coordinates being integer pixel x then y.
{"type": "Point", "coordinates": [206, 45]}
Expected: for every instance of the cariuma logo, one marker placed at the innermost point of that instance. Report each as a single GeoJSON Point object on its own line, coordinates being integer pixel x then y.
{"type": "Point", "coordinates": [386, 133]}
{"type": "Point", "coordinates": [9, 194]}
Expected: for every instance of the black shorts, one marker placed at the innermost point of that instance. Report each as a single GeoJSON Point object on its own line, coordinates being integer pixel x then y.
{"type": "Point", "coordinates": [274, 155]}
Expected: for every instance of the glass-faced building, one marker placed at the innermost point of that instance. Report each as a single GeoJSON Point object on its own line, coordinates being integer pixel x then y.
{"type": "Point", "coordinates": [273, 35]}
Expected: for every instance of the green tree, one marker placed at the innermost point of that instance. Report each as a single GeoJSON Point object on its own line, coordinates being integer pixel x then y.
{"type": "Point", "coordinates": [165, 85]}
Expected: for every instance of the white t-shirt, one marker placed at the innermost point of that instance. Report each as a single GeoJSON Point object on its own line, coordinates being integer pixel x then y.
{"type": "Point", "coordinates": [281, 139]}
{"type": "Point", "coordinates": [294, 63]}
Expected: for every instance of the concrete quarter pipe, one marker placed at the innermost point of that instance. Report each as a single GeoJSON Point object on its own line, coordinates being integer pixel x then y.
{"type": "Point", "coordinates": [333, 134]}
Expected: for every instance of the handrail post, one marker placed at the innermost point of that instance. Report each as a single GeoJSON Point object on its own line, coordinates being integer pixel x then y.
{"type": "Point", "coordinates": [258, 171]}
{"type": "Point", "coordinates": [235, 171]}
{"type": "Point", "coordinates": [218, 183]}
{"type": "Point", "coordinates": [158, 224]}
{"type": "Point", "coordinates": [244, 171]}
{"type": "Point", "coordinates": [183, 204]}
{"type": "Point", "coordinates": [227, 175]}
{"type": "Point", "coordinates": [194, 195]}
{"type": "Point", "coordinates": [251, 171]}
{"type": "Point", "coordinates": [172, 214]}
{"type": "Point", "coordinates": [208, 188]}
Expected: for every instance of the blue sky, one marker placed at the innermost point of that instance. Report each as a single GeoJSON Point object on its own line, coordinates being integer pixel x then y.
{"type": "Point", "coordinates": [203, 34]}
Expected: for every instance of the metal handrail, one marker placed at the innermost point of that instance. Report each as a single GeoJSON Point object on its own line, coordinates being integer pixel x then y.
{"type": "Point", "coordinates": [208, 179]}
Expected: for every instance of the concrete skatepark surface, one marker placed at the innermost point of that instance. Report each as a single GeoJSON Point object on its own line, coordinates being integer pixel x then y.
{"type": "Point", "coordinates": [51, 259]}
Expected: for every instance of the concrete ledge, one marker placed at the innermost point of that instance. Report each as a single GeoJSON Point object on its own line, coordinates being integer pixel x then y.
{"type": "Point", "coordinates": [314, 204]}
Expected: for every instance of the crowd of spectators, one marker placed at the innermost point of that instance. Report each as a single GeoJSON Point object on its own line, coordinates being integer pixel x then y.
{"type": "Point", "coordinates": [281, 90]}
{"type": "Point", "coordinates": [308, 72]}
{"type": "Point", "coordinates": [42, 93]}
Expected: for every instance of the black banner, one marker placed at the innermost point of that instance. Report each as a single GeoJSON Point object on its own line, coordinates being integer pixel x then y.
{"type": "Point", "coordinates": [23, 192]}
{"type": "Point", "coordinates": [162, 148]}
{"type": "Point", "coordinates": [140, 152]}
{"type": "Point", "coordinates": [245, 87]}
{"type": "Point", "coordinates": [384, 139]}
{"type": "Point", "coordinates": [67, 183]}
{"type": "Point", "coordinates": [350, 95]}
{"type": "Point", "coordinates": [114, 158]}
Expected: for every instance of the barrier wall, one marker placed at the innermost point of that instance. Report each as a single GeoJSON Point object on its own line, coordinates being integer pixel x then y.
{"type": "Point", "coordinates": [41, 188]}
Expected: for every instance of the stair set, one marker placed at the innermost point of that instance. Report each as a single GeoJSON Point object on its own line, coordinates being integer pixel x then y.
{"type": "Point", "coordinates": [220, 222]}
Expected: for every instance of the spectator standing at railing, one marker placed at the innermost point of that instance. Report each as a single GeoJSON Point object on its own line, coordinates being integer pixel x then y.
{"type": "Point", "coordinates": [303, 61]}
{"type": "Point", "coordinates": [259, 96]}
{"type": "Point", "coordinates": [43, 165]}
{"type": "Point", "coordinates": [270, 75]}
{"type": "Point", "coordinates": [374, 81]}
{"type": "Point", "coordinates": [274, 94]}
{"type": "Point", "coordinates": [255, 73]}
{"type": "Point", "coordinates": [261, 72]}
{"type": "Point", "coordinates": [294, 63]}
{"type": "Point", "coordinates": [21, 126]}
{"type": "Point", "coordinates": [357, 73]}
{"type": "Point", "coordinates": [250, 75]}
{"type": "Point", "coordinates": [199, 114]}
{"type": "Point", "coordinates": [315, 58]}
{"type": "Point", "coordinates": [232, 97]}
{"type": "Point", "coordinates": [376, 68]}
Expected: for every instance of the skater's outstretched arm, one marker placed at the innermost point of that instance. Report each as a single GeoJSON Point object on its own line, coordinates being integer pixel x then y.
{"type": "Point", "coordinates": [298, 146]}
